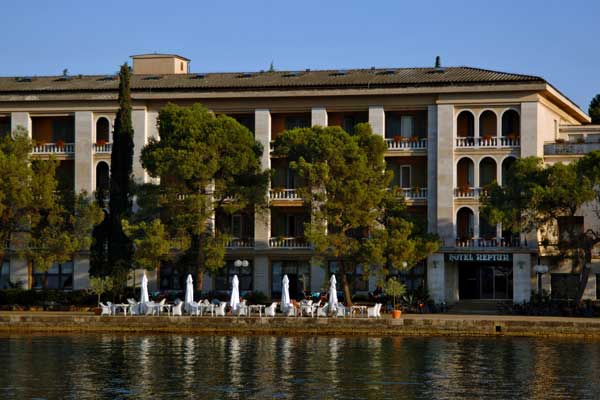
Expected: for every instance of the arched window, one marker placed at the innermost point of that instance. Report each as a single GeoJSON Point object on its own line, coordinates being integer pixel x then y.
{"type": "Point", "coordinates": [506, 164]}
{"type": "Point", "coordinates": [465, 124]}
{"type": "Point", "coordinates": [465, 222]}
{"type": "Point", "coordinates": [465, 177]}
{"type": "Point", "coordinates": [488, 124]}
{"type": "Point", "coordinates": [511, 123]}
{"type": "Point", "coordinates": [102, 131]}
{"type": "Point", "coordinates": [102, 178]}
{"type": "Point", "coordinates": [487, 171]}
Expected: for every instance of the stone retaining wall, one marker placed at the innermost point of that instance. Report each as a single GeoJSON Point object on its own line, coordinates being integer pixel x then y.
{"type": "Point", "coordinates": [422, 325]}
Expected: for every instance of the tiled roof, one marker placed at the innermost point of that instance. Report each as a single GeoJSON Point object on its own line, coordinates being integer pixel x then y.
{"type": "Point", "coordinates": [280, 80]}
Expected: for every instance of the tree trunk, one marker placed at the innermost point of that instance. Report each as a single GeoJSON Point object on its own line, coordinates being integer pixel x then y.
{"type": "Point", "coordinates": [345, 284]}
{"type": "Point", "coordinates": [199, 279]}
{"type": "Point", "coordinates": [585, 274]}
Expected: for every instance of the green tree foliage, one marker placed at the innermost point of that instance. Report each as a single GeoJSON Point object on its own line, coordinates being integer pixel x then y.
{"type": "Point", "coordinates": [594, 109]}
{"type": "Point", "coordinates": [100, 285]}
{"type": "Point", "coordinates": [112, 250]}
{"type": "Point", "coordinates": [37, 221]}
{"type": "Point", "coordinates": [355, 219]}
{"type": "Point", "coordinates": [543, 198]}
{"type": "Point", "coordinates": [205, 163]}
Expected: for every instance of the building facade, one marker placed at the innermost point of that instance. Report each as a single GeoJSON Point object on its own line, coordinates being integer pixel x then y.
{"type": "Point", "coordinates": [449, 131]}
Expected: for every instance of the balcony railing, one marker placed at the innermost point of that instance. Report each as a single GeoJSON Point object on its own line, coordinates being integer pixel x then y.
{"type": "Point", "coordinates": [514, 242]}
{"type": "Point", "coordinates": [556, 149]}
{"type": "Point", "coordinates": [103, 148]}
{"type": "Point", "coordinates": [240, 243]}
{"type": "Point", "coordinates": [406, 144]}
{"type": "Point", "coordinates": [53, 148]}
{"type": "Point", "coordinates": [289, 242]}
{"type": "Point", "coordinates": [485, 141]}
{"type": "Point", "coordinates": [283, 194]}
{"type": "Point", "coordinates": [468, 192]}
{"type": "Point", "coordinates": [415, 193]}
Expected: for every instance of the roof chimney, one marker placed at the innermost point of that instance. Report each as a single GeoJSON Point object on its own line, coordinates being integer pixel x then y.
{"type": "Point", "coordinates": [438, 62]}
{"type": "Point", "coordinates": [160, 64]}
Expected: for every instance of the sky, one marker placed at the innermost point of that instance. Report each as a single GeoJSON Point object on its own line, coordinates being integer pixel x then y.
{"type": "Point", "coordinates": [557, 40]}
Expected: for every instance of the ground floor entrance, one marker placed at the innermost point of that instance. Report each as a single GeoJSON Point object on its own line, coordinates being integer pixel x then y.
{"type": "Point", "coordinates": [480, 281]}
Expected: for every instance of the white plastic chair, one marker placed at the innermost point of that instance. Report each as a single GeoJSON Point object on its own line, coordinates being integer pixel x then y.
{"type": "Point", "coordinates": [270, 311]}
{"type": "Point", "coordinates": [177, 308]}
{"type": "Point", "coordinates": [150, 308]}
{"type": "Point", "coordinates": [106, 309]}
{"type": "Point", "coordinates": [323, 310]}
{"type": "Point", "coordinates": [340, 310]}
{"type": "Point", "coordinates": [134, 307]}
{"type": "Point", "coordinates": [241, 310]}
{"type": "Point", "coordinates": [220, 309]}
{"type": "Point", "coordinates": [373, 312]}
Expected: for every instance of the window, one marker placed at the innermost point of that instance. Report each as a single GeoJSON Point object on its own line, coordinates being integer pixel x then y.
{"type": "Point", "coordinates": [181, 66]}
{"type": "Point", "coordinates": [59, 276]}
{"type": "Point", "coordinates": [570, 227]}
{"type": "Point", "coordinates": [404, 176]}
{"type": "Point", "coordinates": [225, 275]}
{"type": "Point", "coordinates": [357, 280]}
{"type": "Point", "coordinates": [298, 273]}
{"type": "Point", "coordinates": [290, 226]}
{"type": "Point", "coordinates": [293, 122]}
{"type": "Point", "coordinates": [413, 278]}
{"type": "Point", "coordinates": [63, 129]}
{"type": "Point", "coordinates": [5, 274]}
{"type": "Point", "coordinates": [407, 125]}
{"type": "Point", "coordinates": [171, 278]}
{"type": "Point", "coordinates": [564, 286]}
{"type": "Point", "coordinates": [399, 125]}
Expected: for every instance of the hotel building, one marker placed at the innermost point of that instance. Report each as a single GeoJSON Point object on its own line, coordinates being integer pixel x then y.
{"type": "Point", "coordinates": [449, 131]}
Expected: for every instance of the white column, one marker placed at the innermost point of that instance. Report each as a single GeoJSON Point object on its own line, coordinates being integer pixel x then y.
{"type": "Point", "coordinates": [262, 218]}
{"type": "Point", "coordinates": [498, 171]}
{"type": "Point", "coordinates": [377, 119]}
{"type": "Point", "coordinates": [81, 276]}
{"type": "Point", "coordinates": [436, 283]}
{"type": "Point", "coordinates": [21, 119]}
{"type": "Point", "coordinates": [432, 124]}
{"type": "Point", "coordinates": [140, 138]}
{"type": "Point", "coordinates": [498, 128]}
{"type": "Point", "coordinates": [84, 156]}
{"type": "Point", "coordinates": [530, 115]}
{"type": "Point", "coordinates": [152, 132]}
{"type": "Point", "coordinates": [476, 182]}
{"type": "Point", "coordinates": [445, 173]}
{"type": "Point", "coordinates": [521, 278]}
{"type": "Point", "coordinates": [261, 281]}
{"type": "Point", "coordinates": [476, 128]}
{"type": "Point", "coordinates": [319, 116]}
{"type": "Point", "coordinates": [476, 223]}
{"type": "Point", "coordinates": [19, 272]}
{"type": "Point", "coordinates": [499, 231]}
{"type": "Point", "coordinates": [590, 289]}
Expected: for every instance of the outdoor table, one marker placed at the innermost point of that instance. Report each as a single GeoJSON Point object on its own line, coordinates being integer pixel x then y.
{"type": "Point", "coordinates": [358, 310]}
{"type": "Point", "coordinates": [168, 307]}
{"type": "Point", "coordinates": [256, 307]}
{"type": "Point", "coordinates": [309, 309]}
{"type": "Point", "coordinates": [202, 308]}
{"type": "Point", "coordinates": [124, 307]}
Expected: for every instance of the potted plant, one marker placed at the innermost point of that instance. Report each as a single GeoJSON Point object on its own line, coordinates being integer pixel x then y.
{"type": "Point", "coordinates": [98, 286]}
{"type": "Point", "coordinates": [60, 143]}
{"type": "Point", "coordinates": [414, 139]}
{"type": "Point", "coordinates": [101, 142]}
{"type": "Point", "coordinates": [395, 289]}
{"type": "Point", "coordinates": [398, 138]}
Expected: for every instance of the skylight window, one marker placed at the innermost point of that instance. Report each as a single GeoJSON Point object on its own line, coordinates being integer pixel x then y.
{"type": "Point", "coordinates": [24, 79]}
{"type": "Point", "coordinates": [340, 72]}
{"type": "Point", "coordinates": [245, 75]}
{"type": "Point", "coordinates": [152, 78]}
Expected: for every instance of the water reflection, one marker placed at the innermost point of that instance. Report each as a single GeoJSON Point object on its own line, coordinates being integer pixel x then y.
{"type": "Point", "coordinates": [257, 367]}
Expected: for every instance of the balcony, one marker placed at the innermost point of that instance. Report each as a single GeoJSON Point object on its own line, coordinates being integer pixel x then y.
{"type": "Point", "coordinates": [284, 194]}
{"type": "Point", "coordinates": [54, 148]}
{"type": "Point", "coordinates": [289, 243]}
{"type": "Point", "coordinates": [488, 142]}
{"type": "Point", "coordinates": [415, 193]}
{"type": "Point", "coordinates": [403, 144]}
{"type": "Point", "coordinates": [105, 148]}
{"type": "Point", "coordinates": [570, 148]}
{"type": "Point", "coordinates": [479, 243]}
{"type": "Point", "coordinates": [236, 243]}
{"type": "Point", "coordinates": [468, 192]}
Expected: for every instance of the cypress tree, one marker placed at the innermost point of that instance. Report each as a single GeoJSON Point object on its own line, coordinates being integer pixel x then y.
{"type": "Point", "coordinates": [594, 109]}
{"type": "Point", "coordinates": [120, 248]}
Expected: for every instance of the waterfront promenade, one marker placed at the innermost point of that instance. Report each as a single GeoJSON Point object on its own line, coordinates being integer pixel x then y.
{"type": "Point", "coordinates": [409, 325]}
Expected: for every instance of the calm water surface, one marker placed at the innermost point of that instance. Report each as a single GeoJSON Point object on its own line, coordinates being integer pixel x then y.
{"type": "Point", "coordinates": [259, 367]}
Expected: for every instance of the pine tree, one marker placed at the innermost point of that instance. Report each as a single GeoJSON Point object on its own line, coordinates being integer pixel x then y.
{"type": "Point", "coordinates": [120, 248]}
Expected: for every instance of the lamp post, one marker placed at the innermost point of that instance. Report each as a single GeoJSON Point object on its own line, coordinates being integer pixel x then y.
{"type": "Point", "coordinates": [540, 269]}
{"type": "Point", "coordinates": [241, 263]}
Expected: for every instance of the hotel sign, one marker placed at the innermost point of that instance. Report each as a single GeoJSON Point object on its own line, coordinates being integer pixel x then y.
{"type": "Point", "coordinates": [479, 257]}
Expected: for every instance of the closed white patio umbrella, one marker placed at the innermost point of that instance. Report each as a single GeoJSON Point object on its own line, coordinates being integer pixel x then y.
{"type": "Point", "coordinates": [285, 293]}
{"type": "Point", "coordinates": [333, 300]}
{"type": "Point", "coordinates": [189, 292]}
{"type": "Point", "coordinates": [234, 302]}
{"type": "Point", "coordinates": [144, 293]}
